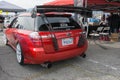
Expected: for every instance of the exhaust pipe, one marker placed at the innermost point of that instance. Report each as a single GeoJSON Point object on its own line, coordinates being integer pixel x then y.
{"type": "Point", "coordinates": [47, 65]}
{"type": "Point", "coordinates": [83, 55]}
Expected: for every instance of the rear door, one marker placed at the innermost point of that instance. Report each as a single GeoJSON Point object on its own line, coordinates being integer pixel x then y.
{"type": "Point", "coordinates": [9, 31]}
{"type": "Point", "coordinates": [64, 35]}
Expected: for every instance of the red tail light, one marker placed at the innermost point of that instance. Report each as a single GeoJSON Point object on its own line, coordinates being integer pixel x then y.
{"type": "Point", "coordinates": [82, 39]}
{"type": "Point", "coordinates": [36, 39]}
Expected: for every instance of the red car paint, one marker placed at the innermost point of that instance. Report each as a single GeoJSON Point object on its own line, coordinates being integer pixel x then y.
{"type": "Point", "coordinates": [46, 46]}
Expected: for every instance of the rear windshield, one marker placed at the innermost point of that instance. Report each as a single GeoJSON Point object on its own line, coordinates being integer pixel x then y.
{"type": "Point", "coordinates": [57, 23]}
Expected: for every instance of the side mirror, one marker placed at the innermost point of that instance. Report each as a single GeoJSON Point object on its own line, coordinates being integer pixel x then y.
{"type": "Point", "coordinates": [9, 26]}
{"type": "Point", "coordinates": [7, 21]}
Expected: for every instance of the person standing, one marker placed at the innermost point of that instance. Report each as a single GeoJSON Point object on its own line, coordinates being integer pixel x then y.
{"type": "Point", "coordinates": [114, 23]}
{"type": "Point", "coordinates": [119, 23]}
{"type": "Point", "coordinates": [103, 22]}
{"type": "Point", "coordinates": [110, 23]}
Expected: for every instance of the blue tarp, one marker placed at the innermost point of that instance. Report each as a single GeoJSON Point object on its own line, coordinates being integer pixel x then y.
{"type": "Point", "coordinates": [93, 20]}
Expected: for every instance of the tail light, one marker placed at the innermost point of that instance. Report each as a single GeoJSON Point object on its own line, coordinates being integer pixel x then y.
{"type": "Point", "coordinates": [82, 39]}
{"type": "Point", "coordinates": [36, 39]}
{"type": "Point", "coordinates": [83, 33]}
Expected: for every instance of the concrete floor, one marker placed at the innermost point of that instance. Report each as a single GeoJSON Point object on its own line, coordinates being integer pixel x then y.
{"type": "Point", "coordinates": [102, 63]}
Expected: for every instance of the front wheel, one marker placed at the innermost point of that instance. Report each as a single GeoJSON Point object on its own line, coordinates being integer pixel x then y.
{"type": "Point", "coordinates": [19, 55]}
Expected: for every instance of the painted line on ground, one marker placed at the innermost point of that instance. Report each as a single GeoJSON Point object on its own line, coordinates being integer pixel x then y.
{"type": "Point", "coordinates": [108, 66]}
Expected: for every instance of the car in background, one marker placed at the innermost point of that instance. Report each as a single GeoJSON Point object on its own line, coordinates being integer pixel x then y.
{"type": "Point", "coordinates": [46, 38]}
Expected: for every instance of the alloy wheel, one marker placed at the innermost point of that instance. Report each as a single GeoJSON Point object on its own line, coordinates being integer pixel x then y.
{"type": "Point", "coordinates": [19, 53]}
{"type": "Point", "coordinates": [5, 39]}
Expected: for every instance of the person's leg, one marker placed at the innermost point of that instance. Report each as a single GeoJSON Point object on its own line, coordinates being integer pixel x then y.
{"type": "Point", "coordinates": [117, 29]}
{"type": "Point", "coordinates": [111, 30]}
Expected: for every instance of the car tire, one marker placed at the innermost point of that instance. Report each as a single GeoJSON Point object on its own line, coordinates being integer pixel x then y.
{"type": "Point", "coordinates": [19, 54]}
{"type": "Point", "coordinates": [5, 40]}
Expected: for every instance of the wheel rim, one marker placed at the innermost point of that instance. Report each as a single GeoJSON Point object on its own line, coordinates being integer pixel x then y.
{"type": "Point", "coordinates": [5, 39]}
{"type": "Point", "coordinates": [18, 53]}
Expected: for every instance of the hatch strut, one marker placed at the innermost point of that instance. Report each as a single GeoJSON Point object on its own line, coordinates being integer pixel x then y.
{"type": "Point", "coordinates": [54, 40]}
{"type": "Point", "coordinates": [44, 9]}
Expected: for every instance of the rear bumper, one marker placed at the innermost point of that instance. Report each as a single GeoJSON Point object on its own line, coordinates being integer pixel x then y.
{"type": "Point", "coordinates": [39, 56]}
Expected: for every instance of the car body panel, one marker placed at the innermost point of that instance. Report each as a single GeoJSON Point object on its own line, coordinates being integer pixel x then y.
{"type": "Point", "coordinates": [39, 56]}
{"type": "Point", "coordinates": [60, 36]}
{"type": "Point", "coordinates": [53, 46]}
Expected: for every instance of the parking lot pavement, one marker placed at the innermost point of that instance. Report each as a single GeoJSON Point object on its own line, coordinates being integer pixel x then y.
{"type": "Point", "coordinates": [102, 63]}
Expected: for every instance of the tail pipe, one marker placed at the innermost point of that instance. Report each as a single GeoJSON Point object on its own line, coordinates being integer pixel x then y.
{"type": "Point", "coordinates": [47, 65]}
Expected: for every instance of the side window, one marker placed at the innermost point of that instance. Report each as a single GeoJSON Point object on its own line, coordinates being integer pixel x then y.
{"type": "Point", "coordinates": [42, 24]}
{"type": "Point", "coordinates": [20, 23]}
{"type": "Point", "coordinates": [26, 23]}
{"type": "Point", "coordinates": [13, 22]}
{"type": "Point", "coordinates": [29, 23]}
{"type": "Point", "coordinates": [43, 28]}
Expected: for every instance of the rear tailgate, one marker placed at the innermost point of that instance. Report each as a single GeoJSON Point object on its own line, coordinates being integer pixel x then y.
{"type": "Point", "coordinates": [60, 40]}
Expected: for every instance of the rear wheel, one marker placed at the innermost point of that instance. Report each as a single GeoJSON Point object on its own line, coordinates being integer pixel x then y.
{"type": "Point", "coordinates": [5, 40]}
{"type": "Point", "coordinates": [19, 55]}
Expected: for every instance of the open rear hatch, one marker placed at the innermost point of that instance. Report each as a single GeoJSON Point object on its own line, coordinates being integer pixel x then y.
{"type": "Point", "coordinates": [63, 32]}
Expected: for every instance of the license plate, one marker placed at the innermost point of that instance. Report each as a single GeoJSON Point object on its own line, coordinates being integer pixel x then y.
{"type": "Point", "coordinates": [67, 41]}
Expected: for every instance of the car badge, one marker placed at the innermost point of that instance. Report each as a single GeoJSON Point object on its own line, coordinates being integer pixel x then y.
{"type": "Point", "coordinates": [68, 34]}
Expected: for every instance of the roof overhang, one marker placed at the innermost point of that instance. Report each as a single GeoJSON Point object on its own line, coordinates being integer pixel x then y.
{"type": "Point", "coordinates": [8, 7]}
{"type": "Point", "coordinates": [102, 5]}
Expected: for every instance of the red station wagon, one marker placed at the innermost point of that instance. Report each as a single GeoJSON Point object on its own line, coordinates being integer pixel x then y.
{"type": "Point", "coordinates": [45, 38]}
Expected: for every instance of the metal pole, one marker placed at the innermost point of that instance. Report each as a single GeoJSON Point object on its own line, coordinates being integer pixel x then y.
{"type": "Point", "coordinates": [85, 3]}
{"type": "Point", "coordinates": [87, 26]}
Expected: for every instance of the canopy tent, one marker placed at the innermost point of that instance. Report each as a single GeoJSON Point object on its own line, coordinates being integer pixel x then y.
{"type": "Point", "coordinates": [103, 5]}
{"type": "Point", "coordinates": [8, 7]}
{"type": "Point", "coordinates": [61, 2]}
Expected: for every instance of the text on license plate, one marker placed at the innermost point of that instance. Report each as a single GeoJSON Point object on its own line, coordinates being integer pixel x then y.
{"type": "Point", "coordinates": [67, 41]}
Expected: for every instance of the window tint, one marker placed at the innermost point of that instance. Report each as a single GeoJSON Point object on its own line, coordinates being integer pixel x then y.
{"type": "Point", "coordinates": [13, 22]}
{"type": "Point", "coordinates": [57, 23]}
{"type": "Point", "coordinates": [41, 24]}
{"type": "Point", "coordinates": [26, 23]}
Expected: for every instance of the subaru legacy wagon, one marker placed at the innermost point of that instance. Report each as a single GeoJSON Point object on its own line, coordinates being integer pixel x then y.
{"type": "Point", "coordinates": [46, 38]}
